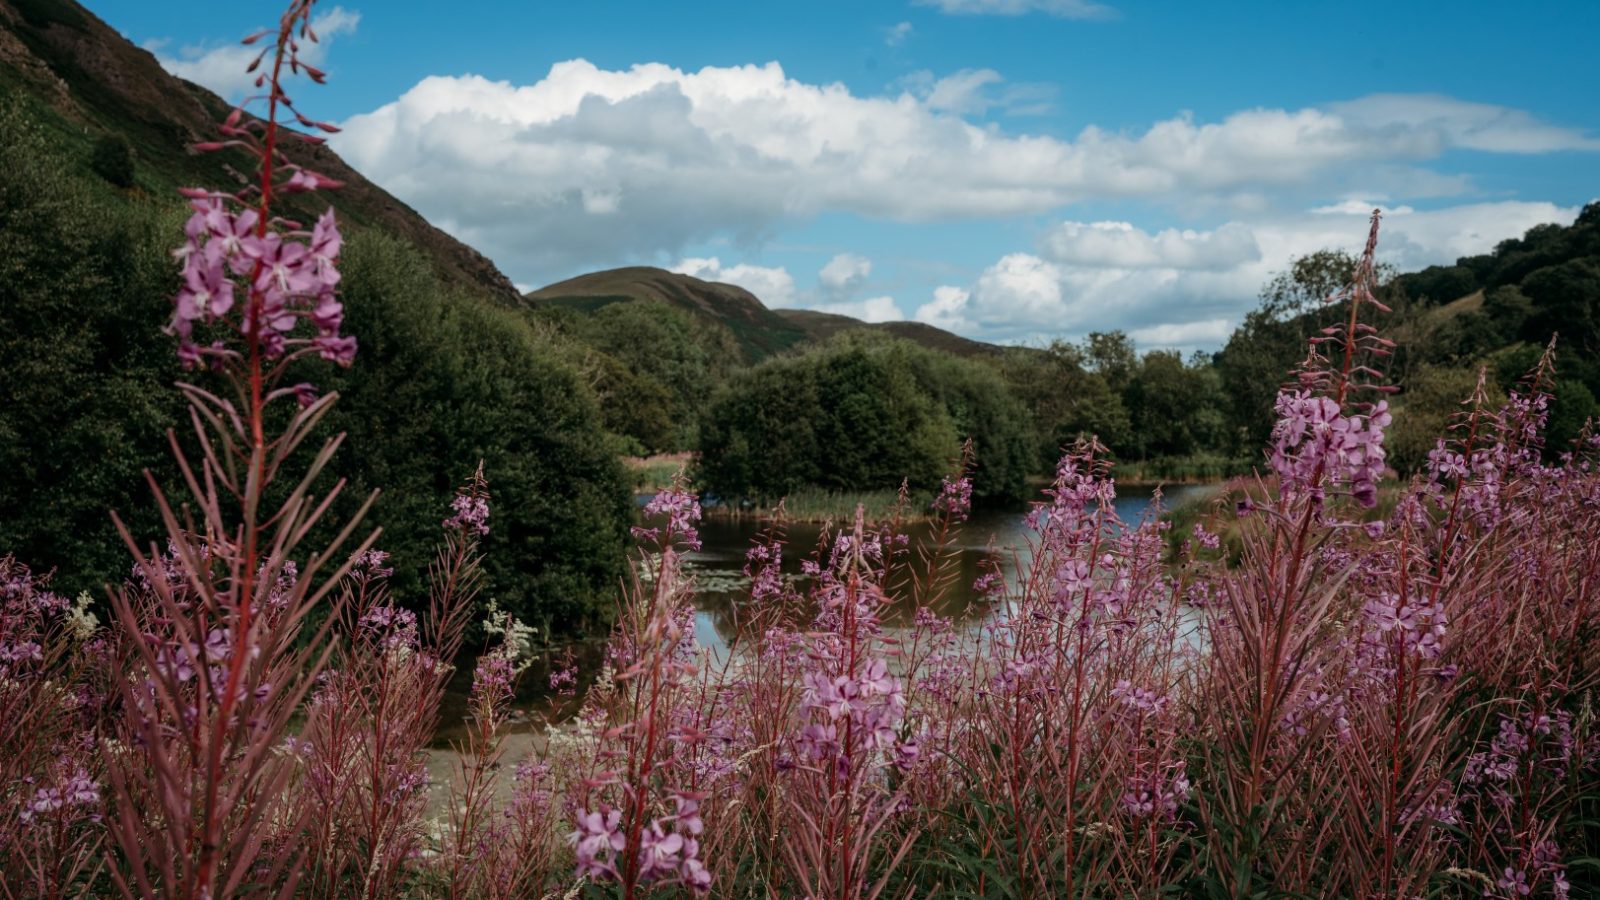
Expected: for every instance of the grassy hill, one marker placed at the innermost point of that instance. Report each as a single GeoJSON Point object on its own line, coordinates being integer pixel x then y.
{"type": "Point", "coordinates": [759, 331]}
{"type": "Point", "coordinates": [85, 82]}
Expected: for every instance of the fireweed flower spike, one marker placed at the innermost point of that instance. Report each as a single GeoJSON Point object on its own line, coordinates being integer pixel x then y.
{"type": "Point", "coordinates": [234, 247]}
{"type": "Point", "coordinates": [1326, 437]}
{"type": "Point", "coordinates": [624, 831]}
{"type": "Point", "coordinates": [223, 655]}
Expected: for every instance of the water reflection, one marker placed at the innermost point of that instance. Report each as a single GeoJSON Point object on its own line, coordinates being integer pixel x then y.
{"type": "Point", "coordinates": [991, 539]}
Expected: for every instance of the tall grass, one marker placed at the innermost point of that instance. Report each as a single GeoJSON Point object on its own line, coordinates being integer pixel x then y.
{"type": "Point", "coordinates": [820, 505]}
{"type": "Point", "coordinates": [1373, 699]}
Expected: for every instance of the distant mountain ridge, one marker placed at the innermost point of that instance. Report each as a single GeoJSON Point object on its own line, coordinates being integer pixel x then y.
{"type": "Point", "coordinates": [97, 82]}
{"type": "Point", "coordinates": [760, 331]}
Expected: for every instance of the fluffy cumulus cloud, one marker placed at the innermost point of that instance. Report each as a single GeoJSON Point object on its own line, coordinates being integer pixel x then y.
{"type": "Point", "coordinates": [589, 166]}
{"type": "Point", "coordinates": [872, 309]}
{"type": "Point", "coordinates": [1065, 9]}
{"type": "Point", "coordinates": [1120, 245]}
{"type": "Point", "coordinates": [837, 281]}
{"type": "Point", "coordinates": [772, 286]}
{"type": "Point", "coordinates": [896, 34]}
{"type": "Point", "coordinates": [222, 68]}
{"type": "Point", "coordinates": [947, 309]}
{"type": "Point", "coordinates": [1188, 289]}
{"type": "Point", "coordinates": [844, 272]}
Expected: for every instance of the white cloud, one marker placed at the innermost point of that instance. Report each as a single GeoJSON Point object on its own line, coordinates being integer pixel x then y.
{"type": "Point", "coordinates": [844, 272]}
{"type": "Point", "coordinates": [1022, 286]}
{"type": "Point", "coordinates": [1208, 332]}
{"type": "Point", "coordinates": [592, 167]}
{"type": "Point", "coordinates": [963, 92]}
{"type": "Point", "coordinates": [947, 309]}
{"type": "Point", "coordinates": [895, 35]}
{"type": "Point", "coordinates": [1161, 288]}
{"type": "Point", "coordinates": [974, 92]}
{"type": "Point", "coordinates": [1458, 123]}
{"type": "Point", "coordinates": [872, 309]}
{"type": "Point", "coordinates": [1066, 9]}
{"type": "Point", "coordinates": [774, 287]}
{"type": "Point", "coordinates": [222, 69]}
{"type": "Point", "coordinates": [1120, 245]}
{"type": "Point", "coordinates": [1358, 208]}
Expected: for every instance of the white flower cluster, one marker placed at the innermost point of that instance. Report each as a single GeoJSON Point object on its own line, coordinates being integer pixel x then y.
{"type": "Point", "coordinates": [516, 637]}
{"type": "Point", "coordinates": [80, 621]}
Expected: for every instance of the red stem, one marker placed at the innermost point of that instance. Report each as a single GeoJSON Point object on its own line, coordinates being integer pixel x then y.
{"type": "Point", "coordinates": [245, 579]}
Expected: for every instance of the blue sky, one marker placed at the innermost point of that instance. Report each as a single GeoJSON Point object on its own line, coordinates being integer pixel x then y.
{"type": "Point", "coordinates": [1014, 170]}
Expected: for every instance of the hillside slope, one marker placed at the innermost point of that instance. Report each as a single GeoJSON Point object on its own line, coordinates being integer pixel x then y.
{"type": "Point", "coordinates": [58, 56]}
{"type": "Point", "coordinates": [760, 332]}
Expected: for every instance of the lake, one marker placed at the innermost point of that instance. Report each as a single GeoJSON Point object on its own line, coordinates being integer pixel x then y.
{"type": "Point", "coordinates": [990, 537]}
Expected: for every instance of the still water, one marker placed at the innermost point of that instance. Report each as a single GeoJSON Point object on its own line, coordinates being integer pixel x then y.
{"type": "Point", "coordinates": [991, 538]}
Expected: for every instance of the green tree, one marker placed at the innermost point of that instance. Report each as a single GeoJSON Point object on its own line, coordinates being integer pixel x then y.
{"type": "Point", "coordinates": [1311, 280]}
{"type": "Point", "coordinates": [1175, 407]}
{"type": "Point", "coordinates": [1424, 411]}
{"type": "Point", "coordinates": [1065, 400]}
{"type": "Point", "coordinates": [1440, 284]}
{"type": "Point", "coordinates": [443, 381]}
{"type": "Point", "coordinates": [665, 347]}
{"type": "Point", "coordinates": [1565, 300]}
{"type": "Point", "coordinates": [862, 412]}
{"type": "Point", "coordinates": [982, 409]}
{"type": "Point", "coordinates": [1113, 356]}
{"type": "Point", "coordinates": [1572, 405]}
{"type": "Point", "coordinates": [1253, 365]}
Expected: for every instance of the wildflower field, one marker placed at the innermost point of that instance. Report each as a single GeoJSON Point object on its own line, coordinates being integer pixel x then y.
{"type": "Point", "coordinates": [1346, 704]}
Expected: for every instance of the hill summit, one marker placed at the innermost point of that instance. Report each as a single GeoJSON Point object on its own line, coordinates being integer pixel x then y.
{"type": "Point", "coordinates": [759, 330]}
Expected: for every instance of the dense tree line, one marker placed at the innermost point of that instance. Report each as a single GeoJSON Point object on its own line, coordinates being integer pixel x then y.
{"type": "Point", "coordinates": [787, 424]}
{"type": "Point", "coordinates": [653, 367]}
{"type": "Point", "coordinates": [1155, 406]}
{"type": "Point", "coordinates": [863, 412]}
{"type": "Point", "coordinates": [442, 380]}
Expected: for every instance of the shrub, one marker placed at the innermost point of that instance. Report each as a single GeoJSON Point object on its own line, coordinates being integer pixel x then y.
{"type": "Point", "coordinates": [445, 382]}
{"type": "Point", "coordinates": [112, 159]}
{"type": "Point", "coordinates": [1430, 404]}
